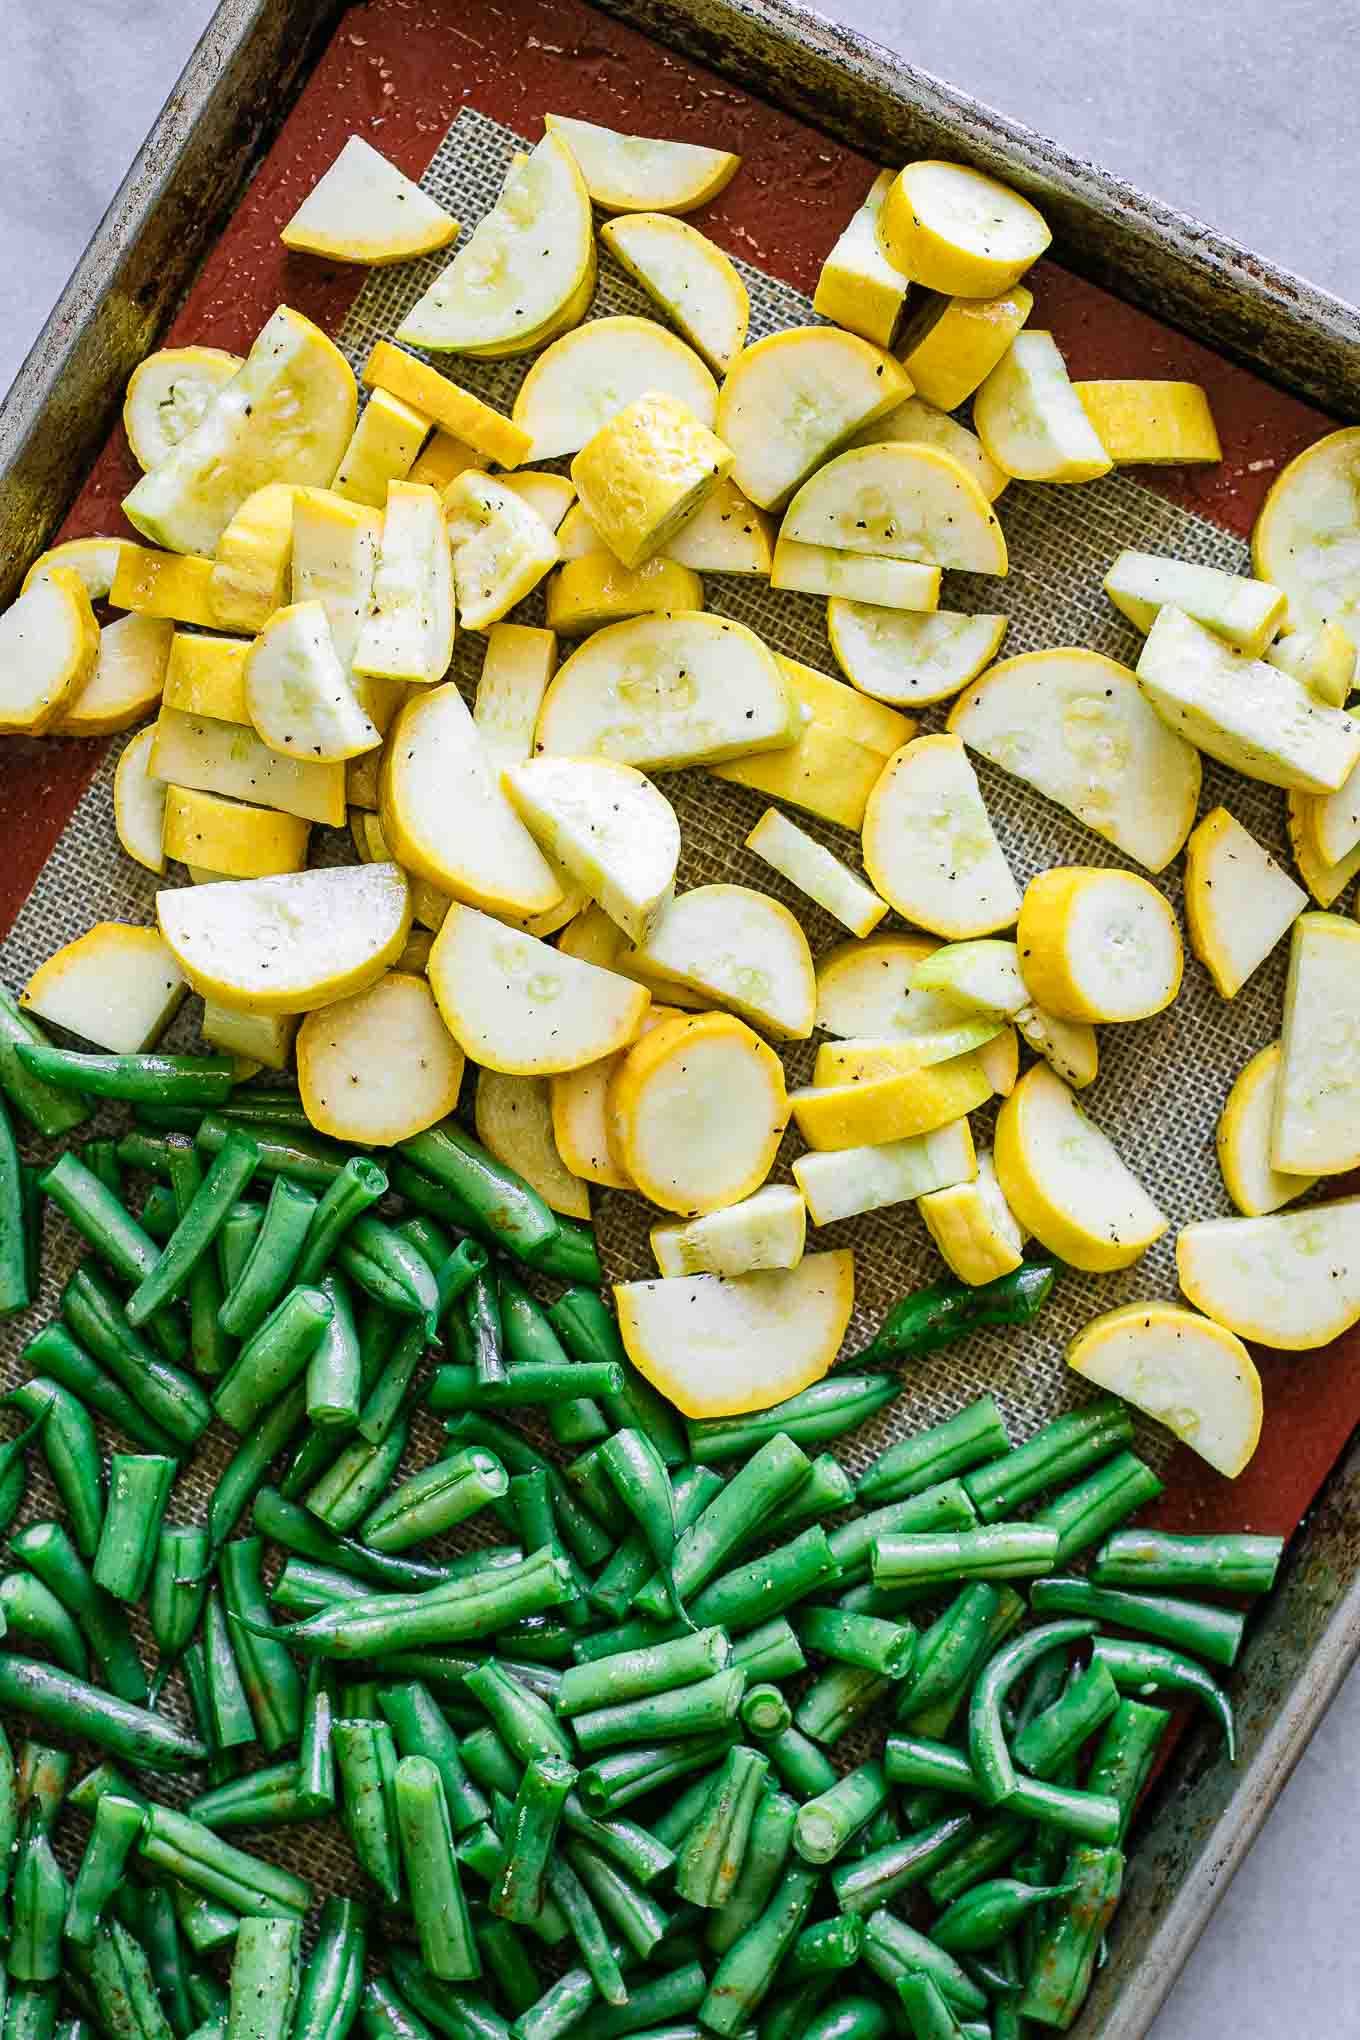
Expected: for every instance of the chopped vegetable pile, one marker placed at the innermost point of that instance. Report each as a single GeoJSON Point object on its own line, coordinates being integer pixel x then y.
{"type": "Point", "coordinates": [603, 1768]}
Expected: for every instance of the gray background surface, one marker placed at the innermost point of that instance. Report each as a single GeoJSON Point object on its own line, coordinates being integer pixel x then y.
{"type": "Point", "coordinates": [1241, 114]}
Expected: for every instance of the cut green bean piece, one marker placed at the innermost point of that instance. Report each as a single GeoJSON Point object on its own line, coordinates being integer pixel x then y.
{"type": "Point", "coordinates": [306, 1158]}
{"type": "Point", "coordinates": [770, 1652]}
{"type": "Point", "coordinates": [996, 1551]}
{"type": "Point", "coordinates": [231, 1170]}
{"type": "Point", "coordinates": [385, 1398]}
{"type": "Point", "coordinates": [1053, 1456]}
{"type": "Point", "coordinates": [631, 1675]}
{"type": "Point", "coordinates": [530, 1837]}
{"type": "Point", "coordinates": [435, 1499]}
{"type": "Point", "coordinates": [700, 1708]}
{"type": "Point", "coordinates": [447, 1947]}
{"type": "Point", "coordinates": [638, 1918]}
{"type": "Point", "coordinates": [715, 1847]}
{"type": "Point", "coordinates": [764, 1711]}
{"type": "Point", "coordinates": [274, 1254]}
{"type": "Point", "coordinates": [39, 1900]}
{"type": "Point", "coordinates": [1046, 1742]}
{"type": "Point", "coordinates": [806, 1770]}
{"type": "Point", "coordinates": [928, 2016]}
{"type": "Point", "coordinates": [60, 1360]}
{"type": "Point", "coordinates": [334, 1369]}
{"type": "Point", "coordinates": [268, 1673]}
{"type": "Point", "coordinates": [1092, 1815]}
{"type": "Point", "coordinates": [1225, 1562]}
{"type": "Point", "coordinates": [32, 1611]}
{"type": "Point", "coordinates": [47, 1551]}
{"type": "Point", "coordinates": [743, 1977]}
{"type": "Point", "coordinates": [1125, 1755]}
{"type": "Point", "coordinates": [769, 1842]}
{"type": "Point", "coordinates": [50, 1111]}
{"type": "Point", "coordinates": [70, 1446]}
{"type": "Point", "coordinates": [887, 1648]}
{"type": "Point", "coordinates": [747, 1500]}
{"type": "Point", "coordinates": [1145, 1668]}
{"type": "Point", "coordinates": [230, 1716]}
{"type": "Point", "coordinates": [139, 1488]}
{"type": "Point", "coordinates": [892, 1949]}
{"type": "Point", "coordinates": [15, 1289]}
{"type": "Point", "coordinates": [202, 1080]}
{"type": "Point", "coordinates": [265, 1973]}
{"type": "Point", "coordinates": [930, 1318]}
{"type": "Point", "coordinates": [987, 1913]}
{"type": "Point", "coordinates": [990, 1846]}
{"type": "Point", "coordinates": [124, 1988]}
{"type": "Point", "coordinates": [827, 1410]}
{"type": "Point", "coordinates": [951, 1653]}
{"type": "Point", "coordinates": [617, 1778]}
{"type": "Point", "coordinates": [271, 1797]}
{"type": "Point", "coordinates": [170, 1397]}
{"type": "Point", "coordinates": [333, 1979]}
{"type": "Point", "coordinates": [871, 1880]}
{"type": "Point", "coordinates": [273, 1358]}
{"type": "Point", "coordinates": [976, 1435]}
{"type": "Point", "coordinates": [829, 1946]}
{"type": "Point", "coordinates": [589, 1333]}
{"type": "Point", "coordinates": [1199, 1627]}
{"type": "Point", "coordinates": [1108, 1496]}
{"type": "Point", "coordinates": [827, 1824]}
{"type": "Point", "coordinates": [247, 1468]}
{"type": "Point", "coordinates": [988, 1752]}
{"type": "Point", "coordinates": [358, 1185]}
{"type": "Point", "coordinates": [1069, 1947]}
{"type": "Point", "coordinates": [600, 1955]}
{"type": "Point", "coordinates": [366, 1756]}
{"type": "Point", "coordinates": [422, 1730]}
{"type": "Point", "coordinates": [763, 1587]}
{"type": "Point", "coordinates": [934, 1511]}
{"type": "Point", "coordinates": [839, 1698]}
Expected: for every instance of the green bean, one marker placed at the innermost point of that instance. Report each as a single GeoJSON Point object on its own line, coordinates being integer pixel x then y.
{"type": "Point", "coordinates": [270, 1679]}
{"type": "Point", "coordinates": [31, 2012]}
{"type": "Point", "coordinates": [1056, 1734]}
{"type": "Point", "coordinates": [377, 1284]}
{"type": "Point", "coordinates": [367, 1760]}
{"type": "Point", "coordinates": [420, 1729]}
{"type": "Point", "coordinates": [16, 1292]}
{"type": "Point", "coordinates": [265, 1971]}
{"type": "Point", "coordinates": [763, 1587]}
{"type": "Point", "coordinates": [9, 1810]}
{"type": "Point", "coordinates": [246, 1469]}
{"type": "Point", "coordinates": [1043, 1686]}
{"type": "Point", "coordinates": [928, 2016]}
{"type": "Point", "coordinates": [806, 1770]}
{"type": "Point", "coordinates": [51, 1111]}
{"type": "Point", "coordinates": [124, 1988]}
{"type": "Point", "coordinates": [1070, 1944]}
{"type": "Point", "coordinates": [892, 1949]}
{"type": "Point", "coordinates": [590, 1335]}
{"type": "Point", "coordinates": [530, 1837]}
{"type": "Point", "coordinates": [146, 1152]}
{"type": "Point", "coordinates": [139, 1488]}
{"type": "Point", "coordinates": [631, 1675]}
{"type": "Point", "coordinates": [297, 1530]}
{"type": "Point", "coordinates": [461, 1388]}
{"type": "Point", "coordinates": [333, 1371]}
{"type": "Point", "coordinates": [769, 1841]}
{"type": "Point", "coordinates": [640, 1478]}
{"type": "Point", "coordinates": [270, 1797]}
{"type": "Point", "coordinates": [71, 1449]}
{"type": "Point", "coordinates": [574, 1256]}
{"type": "Point", "coordinates": [641, 1922]}
{"type": "Point", "coordinates": [222, 1762]}
{"type": "Point", "coordinates": [1206, 1631]}
{"type": "Point", "coordinates": [481, 1312]}
{"type": "Point", "coordinates": [202, 1080]}
{"type": "Point", "coordinates": [101, 1159]}
{"type": "Point", "coordinates": [159, 1933]}
{"type": "Point", "coordinates": [65, 1364]}
{"type": "Point", "coordinates": [600, 1955]}
{"type": "Point", "coordinates": [588, 1479]}
{"type": "Point", "coordinates": [274, 1254]}
{"type": "Point", "coordinates": [710, 1862]}
{"type": "Point", "coordinates": [531, 1505]}
{"type": "Point", "coordinates": [827, 1410]}
{"type": "Point", "coordinates": [1063, 1448]}
{"type": "Point", "coordinates": [962, 1442]}
{"type": "Point", "coordinates": [618, 1777]}
{"type": "Point", "coordinates": [987, 1749]}
{"type": "Point", "coordinates": [990, 1846]}
{"type": "Point", "coordinates": [233, 1724]}
{"type": "Point", "coordinates": [746, 1501]}
{"type": "Point", "coordinates": [400, 1264]}
{"type": "Point", "coordinates": [764, 1711]}
{"type": "Point", "coordinates": [333, 1979]}
{"type": "Point", "coordinates": [99, 1218]}
{"type": "Point", "coordinates": [240, 1229]}
{"type": "Point", "coordinates": [838, 1698]}
{"type": "Point", "coordinates": [385, 1400]}
{"type": "Point", "coordinates": [530, 1337]}
{"type": "Point", "coordinates": [316, 1756]}
{"type": "Point", "coordinates": [827, 1823]}
{"type": "Point", "coordinates": [447, 1948]}
{"type": "Point", "coordinates": [746, 1971]}
{"type": "Point", "coordinates": [273, 1357]}
{"type": "Point", "coordinates": [179, 1586]}
{"type": "Point", "coordinates": [457, 2014]}
{"type": "Point", "coordinates": [1125, 1755]}
{"type": "Point", "coordinates": [305, 1158]}
{"type": "Point", "coordinates": [849, 2018]}
{"type": "Point", "coordinates": [827, 1947]}
{"type": "Point", "coordinates": [171, 1398]}
{"type": "Point", "coordinates": [996, 1551]}
{"type": "Point", "coordinates": [523, 1720]}
{"type": "Point", "coordinates": [1228, 1563]}
{"type": "Point", "coordinates": [267, 1104]}
{"type": "Point", "coordinates": [435, 1499]}
{"type": "Point", "coordinates": [770, 1652]}
{"type": "Point", "coordinates": [199, 1223]}
{"type": "Point", "coordinates": [32, 1611]}
{"type": "Point", "coordinates": [699, 1708]}
{"type": "Point", "coordinates": [184, 1847]}
{"type": "Point", "coordinates": [951, 1653]}
{"type": "Point", "coordinates": [987, 1913]}
{"type": "Point", "coordinates": [930, 1318]}
{"type": "Point", "coordinates": [1082, 1515]}
{"type": "Point", "coordinates": [589, 1542]}
{"type": "Point", "coordinates": [14, 1470]}
{"type": "Point", "coordinates": [824, 1489]}
{"type": "Point", "coordinates": [1145, 1668]}
{"type": "Point", "coordinates": [868, 1881]}
{"type": "Point", "coordinates": [356, 1186]}
{"type": "Point", "coordinates": [43, 1775]}
{"type": "Point", "coordinates": [934, 1511]}
{"type": "Point", "coordinates": [389, 1624]}
{"type": "Point", "coordinates": [888, 1648]}
{"type": "Point", "coordinates": [40, 1899]}
{"type": "Point", "coordinates": [489, 1198]}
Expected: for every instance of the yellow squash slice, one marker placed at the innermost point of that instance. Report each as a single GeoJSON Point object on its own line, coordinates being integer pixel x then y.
{"type": "Point", "coordinates": [899, 500]}
{"type": "Point", "coordinates": [864, 990]}
{"type": "Point", "coordinates": [1000, 1059]}
{"type": "Point", "coordinates": [549, 496]}
{"type": "Point", "coordinates": [520, 270]}
{"type": "Point", "coordinates": [1181, 1369]}
{"type": "Point", "coordinates": [917, 423]}
{"type": "Point", "coordinates": [116, 986]}
{"type": "Point", "coordinates": [514, 1121]}
{"type": "Point", "coordinates": [515, 1004]}
{"type": "Point", "coordinates": [719, 1345]}
{"type": "Point", "coordinates": [299, 695]}
{"type": "Point", "coordinates": [726, 535]}
{"type": "Point", "coordinates": [611, 828]}
{"type": "Point", "coordinates": [697, 1108]}
{"type": "Point", "coordinates": [225, 758]}
{"type": "Point", "coordinates": [645, 472]}
{"type": "Point", "coordinates": [816, 871]}
{"type": "Point", "coordinates": [912, 658]}
{"type": "Point", "coordinates": [952, 344]}
{"type": "Point", "coordinates": [49, 649]}
{"type": "Point", "coordinates": [632, 173]}
{"type": "Point", "coordinates": [1290, 1280]}
{"type": "Point", "coordinates": [501, 547]}
{"type": "Point", "coordinates": [379, 1066]}
{"type": "Point", "coordinates": [1323, 658]}
{"type": "Point", "coordinates": [230, 838]}
{"type": "Point", "coordinates": [458, 414]}
{"type": "Point", "coordinates": [690, 278]}
{"type": "Point", "coordinates": [1307, 537]}
{"type": "Point", "coordinates": [1065, 1181]}
{"type": "Point", "coordinates": [335, 555]}
{"type": "Point", "coordinates": [286, 416]}
{"type": "Point", "coordinates": [890, 1108]}
{"type": "Point", "coordinates": [127, 680]}
{"type": "Point", "coordinates": [984, 977]}
{"type": "Point", "coordinates": [792, 400]}
{"type": "Point", "coordinates": [974, 1228]}
{"type": "Point", "coordinates": [587, 593]}
{"type": "Point", "coordinates": [517, 665]}
{"type": "Point", "coordinates": [1151, 424]}
{"type": "Point", "coordinates": [1238, 901]}
{"type": "Point", "coordinates": [251, 569]}
{"type": "Point", "coordinates": [1056, 719]}
{"type": "Point", "coordinates": [170, 393]}
{"type": "Point", "coordinates": [363, 209]}
{"type": "Point", "coordinates": [266, 1039]}
{"type": "Point", "coordinates": [767, 1230]}
{"type": "Point", "coordinates": [174, 585]}
{"type": "Point", "coordinates": [1325, 881]}
{"type": "Point", "coordinates": [408, 632]}
{"type": "Point", "coordinates": [859, 288]}
{"type": "Point", "coordinates": [386, 443]}
{"type": "Point", "coordinates": [741, 949]}
{"type": "Point", "coordinates": [929, 847]}
{"type": "Point", "coordinates": [858, 1060]}
{"type": "Point", "coordinates": [94, 559]}
{"type": "Point", "coordinates": [287, 945]}
{"type": "Point", "coordinates": [206, 676]}
{"type": "Point", "coordinates": [843, 1182]}
{"type": "Point", "coordinates": [843, 745]}
{"type": "Point", "coordinates": [956, 230]}
{"type": "Point", "coordinates": [859, 577]}
{"type": "Point", "coordinates": [581, 381]}
{"type": "Point", "coordinates": [1317, 1096]}
{"type": "Point", "coordinates": [1243, 1139]}
{"type": "Point", "coordinates": [1030, 419]}
{"type": "Point", "coordinates": [1098, 944]}
{"type": "Point", "coordinates": [1245, 612]}
{"type": "Point", "coordinates": [139, 804]}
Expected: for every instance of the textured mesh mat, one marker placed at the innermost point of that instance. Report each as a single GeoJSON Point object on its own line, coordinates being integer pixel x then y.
{"type": "Point", "coordinates": [1161, 1084]}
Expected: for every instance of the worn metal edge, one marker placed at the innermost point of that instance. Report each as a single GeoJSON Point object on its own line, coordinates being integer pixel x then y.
{"type": "Point", "coordinates": [231, 96]}
{"type": "Point", "coordinates": [1134, 245]}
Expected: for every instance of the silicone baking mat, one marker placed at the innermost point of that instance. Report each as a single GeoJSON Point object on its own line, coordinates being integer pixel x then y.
{"type": "Point", "coordinates": [451, 101]}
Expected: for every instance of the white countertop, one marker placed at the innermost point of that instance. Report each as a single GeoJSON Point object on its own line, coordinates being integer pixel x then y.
{"type": "Point", "coordinates": [1243, 114]}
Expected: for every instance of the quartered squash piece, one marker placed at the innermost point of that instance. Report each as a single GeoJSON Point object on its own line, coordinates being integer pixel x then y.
{"type": "Point", "coordinates": [139, 804]}
{"type": "Point", "coordinates": [1098, 945]}
{"type": "Point", "coordinates": [842, 1182]}
{"type": "Point", "coordinates": [660, 692]}
{"type": "Point", "coordinates": [1065, 1182]}
{"type": "Point", "coordinates": [446, 816]}
{"type": "Point", "coordinates": [767, 1230]}
{"type": "Point", "coordinates": [860, 577]}
{"type": "Point", "coordinates": [633, 173]}
{"type": "Point", "coordinates": [595, 589]}
{"type": "Point", "coordinates": [206, 676]}
{"type": "Point", "coordinates": [383, 449]}
{"type": "Point", "coordinates": [501, 548]}
{"type": "Point", "coordinates": [1307, 537]}
{"type": "Point", "coordinates": [929, 846]}
{"type": "Point", "coordinates": [116, 986]}
{"type": "Point", "coordinates": [49, 649]}
{"type": "Point", "coordinates": [1243, 1139]}
{"type": "Point", "coordinates": [644, 473]}
{"type": "Point", "coordinates": [1245, 612]}
{"type": "Point", "coordinates": [689, 277]}
{"type": "Point", "coordinates": [1181, 1369]}
{"type": "Point", "coordinates": [170, 393]}
{"type": "Point", "coordinates": [957, 230]}
{"type": "Point", "coordinates": [227, 758]}
{"type": "Point", "coordinates": [1324, 880]}
{"type": "Point", "coordinates": [917, 423]}
{"type": "Point", "coordinates": [615, 832]}
{"type": "Point", "coordinates": [286, 416]}
{"type": "Point", "coordinates": [379, 1066]}
{"type": "Point", "coordinates": [859, 1060]}
{"type": "Point", "coordinates": [251, 568]}
{"type": "Point", "coordinates": [335, 556]}
{"type": "Point", "coordinates": [974, 1228]}
{"type": "Point", "coordinates": [1057, 719]}
{"type": "Point", "coordinates": [230, 838]}
{"type": "Point", "coordinates": [516, 667]}
{"type": "Point", "coordinates": [741, 949]}
{"type": "Point", "coordinates": [864, 990]}
{"type": "Point", "coordinates": [952, 344]}
{"type": "Point", "coordinates": [890, 1108]}
{"type": "Point", "coordinates": [726, 535]}
{"type": "Point", "coordinates": [1317, 1094]}
{"type": "Point", "coordinates": [910, 657]}
{"type": "Point", "coordinates": [1290, 1280]}
{"type": "Point", "coordinates": [859, 288]}
{"type": "Point", "coordinates": [299, 695]}
{"type": "Point", "coordinates": [1323, 658]}
{"type": "Point", "coordinates": [1264, 723]}
{"type": "Point", "coordinates": [899, 500]}
{"type": "Point", "coordinates": [94, 559]}
{"type": "Point", "coordinates": [843, 745]}
{"type": "Point", "coordinates": [514, 1121]}
{"type": "Point", "coordinates": [816, 871]}
{"type": "Point", "coordinates": [515, 1004]}
{"type": "Point", "coordinates": [697, 1108]}
{"type": "Point", "coordinates": [717, 1346]}
{"type": "Point", "coordinates": [1151, 424]}
{"type": "Point", "coordinates": [457, 413]}
{"type": "Point", "coordinates": [286, 945]}
{"type": "Point", "coordinates": [265, 1039]}
{"type": "Point", "coordinates": [408, 632]}
{"type": "Point", "coordinates": [521, 269]}
{"type": "Point", "coordinates": [128, 677]}
{"type": "Point", "coordinates": [177, 586]}
{"type": "Point", "coordinates": [1030, 419]}
{"type": "Point", "coordinates": [581, 381]}
{"type": "Point", "coordinates": [363, 209]}
{"type": "Point", "coordinates": [792, 400]}
{"type": "Point", "coordinates": [1238, 901]}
